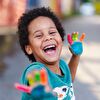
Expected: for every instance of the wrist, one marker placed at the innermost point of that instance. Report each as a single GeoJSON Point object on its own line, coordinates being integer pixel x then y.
{"type": "Point", "coordinates": [76, 56]}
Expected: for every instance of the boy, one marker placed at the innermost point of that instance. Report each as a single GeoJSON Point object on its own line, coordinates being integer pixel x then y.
{"type": "Point", "coordinates": [41, 37]}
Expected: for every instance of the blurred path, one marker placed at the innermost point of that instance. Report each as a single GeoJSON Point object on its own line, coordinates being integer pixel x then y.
{"type": "Point", "coordinates": [87, 83]}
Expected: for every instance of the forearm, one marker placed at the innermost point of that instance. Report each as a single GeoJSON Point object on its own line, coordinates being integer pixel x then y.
{"type": "Point", "coordinates": [73, 64]}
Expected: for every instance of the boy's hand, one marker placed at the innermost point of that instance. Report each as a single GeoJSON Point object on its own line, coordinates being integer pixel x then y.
{"type": "Point", "coordinates": [38, 85]}
{"type": "Point", "coordinates": [76, 46]}
{"type": "Point", "coordinates": [38, 80]}
{"type": "Point", "coordinates": [37, 77]}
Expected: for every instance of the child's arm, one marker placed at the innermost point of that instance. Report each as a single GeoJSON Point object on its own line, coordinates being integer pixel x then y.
{"type": "Point", "coordinates": [76, 49]}
{"type": "Point", "coordinates": [73, 64]}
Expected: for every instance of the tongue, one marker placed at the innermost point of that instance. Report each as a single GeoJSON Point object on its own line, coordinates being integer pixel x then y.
{"type": "Point", "coordinates": [50, 52]}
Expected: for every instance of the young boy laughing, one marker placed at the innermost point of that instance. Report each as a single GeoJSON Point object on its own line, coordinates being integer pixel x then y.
{"type": "Point", "coordinates": [41, 37]}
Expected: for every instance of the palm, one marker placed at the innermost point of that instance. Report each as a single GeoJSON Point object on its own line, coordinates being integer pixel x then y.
{"type": "Point", "coordinates": [37, 81]}
{"type": "Point", "coordinates": [76, 46]}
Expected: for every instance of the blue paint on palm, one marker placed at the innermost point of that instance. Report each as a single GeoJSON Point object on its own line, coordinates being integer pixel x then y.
{"type": "Point", "coordinates": [77, 48]}
{"type": "Point", "coordinates": [39, 93]}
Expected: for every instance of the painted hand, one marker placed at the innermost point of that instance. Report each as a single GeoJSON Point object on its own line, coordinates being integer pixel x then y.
{"type": "Point", "coordinates": [37, 77]}
{"type": "Point", "coordinates": [76, 46]}
{"type": "Point", "coordinates": [38, 84]}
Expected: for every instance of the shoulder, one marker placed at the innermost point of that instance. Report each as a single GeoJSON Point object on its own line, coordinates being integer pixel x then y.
{"type": "Point", "coordinates": [62, 61]}
{"type": "Point", "coordinates": [34, 65]}
{"type": "Point", "coordinates": [63, 64]}
{"type": "Point", "coordinates": [65, 69]}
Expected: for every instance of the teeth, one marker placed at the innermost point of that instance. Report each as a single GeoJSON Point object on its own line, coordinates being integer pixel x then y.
{"type": "Point", "coordinates": [50, 46]}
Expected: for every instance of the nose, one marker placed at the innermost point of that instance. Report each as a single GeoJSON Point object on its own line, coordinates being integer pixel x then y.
{"type": "Point", "coordinates": [47, 37]}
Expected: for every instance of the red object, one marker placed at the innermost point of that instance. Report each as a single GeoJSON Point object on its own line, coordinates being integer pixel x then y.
{"type": "Point", "coordinates": [69, 39]}
{"type": "Point", "coordinates": [23, 88]}
{"type": "Point", "coordinates": [43, 77]}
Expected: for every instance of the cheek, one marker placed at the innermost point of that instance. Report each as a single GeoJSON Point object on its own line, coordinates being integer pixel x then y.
{"type": "Point", "coordinates": [35, 49]}
{"type": "Point", "coordinates": [36, 45]}
{"type": "Point", "coordinates": [60, 44]}
{"type": "Point", "coordinates": [59, 39]}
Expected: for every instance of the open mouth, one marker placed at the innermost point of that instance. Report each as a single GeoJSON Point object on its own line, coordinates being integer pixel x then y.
{"type": "Point", "coordinates": [50, 49]}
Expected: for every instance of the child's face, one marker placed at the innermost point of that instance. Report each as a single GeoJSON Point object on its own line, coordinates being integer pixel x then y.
{"type": "Point", "coordinates": [45, 42]}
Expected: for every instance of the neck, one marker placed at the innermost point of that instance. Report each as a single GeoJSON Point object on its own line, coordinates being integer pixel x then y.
{"type": "Point", "coordinates": [54, 68]}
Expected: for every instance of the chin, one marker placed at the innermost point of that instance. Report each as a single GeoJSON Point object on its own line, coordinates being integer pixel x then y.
{"type": "Point", "coordinates": [52, 60]}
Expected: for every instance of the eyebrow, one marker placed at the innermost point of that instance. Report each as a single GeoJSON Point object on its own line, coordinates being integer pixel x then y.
{"type": "Point", "coordinates": [52, 27]}
{"type": "Point", "coordinates": [37, 31]}
{"type": "Point", "coordinates": [40, 29]}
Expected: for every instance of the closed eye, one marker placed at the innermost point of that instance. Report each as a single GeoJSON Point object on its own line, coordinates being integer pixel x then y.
{"type": "Point", "coordinates": [38, 36]}
{"type": "Point", "coordinates": [53, 32]}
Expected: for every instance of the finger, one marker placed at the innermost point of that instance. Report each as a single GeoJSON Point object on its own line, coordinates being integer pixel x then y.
{"type": "Point", "coordinates": [69, 39]}
{"type": "Point", "coordinates": [43, 75]}
{"type": "Point", "coordinates": [30, 79]}
{"type": "Point", "coordinates": [47, 88]}
{"type": "Point", "coordinates": [82, 37]}
{"type": "Point", "coordinates": [75, 36]}
{"type": "Point", "coordinates": [37, 76]}
{"type": "Point", "coordinates": [40, 77]}
{"type": "Point", "coordinates": [23, 88]}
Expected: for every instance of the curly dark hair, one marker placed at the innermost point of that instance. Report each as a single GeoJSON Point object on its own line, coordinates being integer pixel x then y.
{"type": "Point", "coordinates": [25, 20]}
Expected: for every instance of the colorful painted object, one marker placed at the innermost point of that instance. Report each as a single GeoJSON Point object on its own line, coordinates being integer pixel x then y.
{"type": "Point", "coordinates": [82, 37]}
{"type": "Point", "coordinates": [43, 76]}
{"type": "Point", "coordinates": [77, 48]}
{"type": "Point", "coordinates": [69, 39]}
{"type": "Point", "coordinates": [75, 36]}
{"type": "Point", "coordinates": [30, 79]}
{"type": "Point", "coordinates": [37, 76]}
{"type": "Point", "coordinates": [36, 91]}
{"type": "Point", "coordinates": [39, 93]}
{"type": "Point", "coordinates": [75, 43]}
{"type": "Point", "coordinates": [23, 88]}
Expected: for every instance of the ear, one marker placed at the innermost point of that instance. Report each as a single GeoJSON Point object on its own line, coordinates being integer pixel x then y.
{"type": "Point", "coordinates": [28, 49]}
